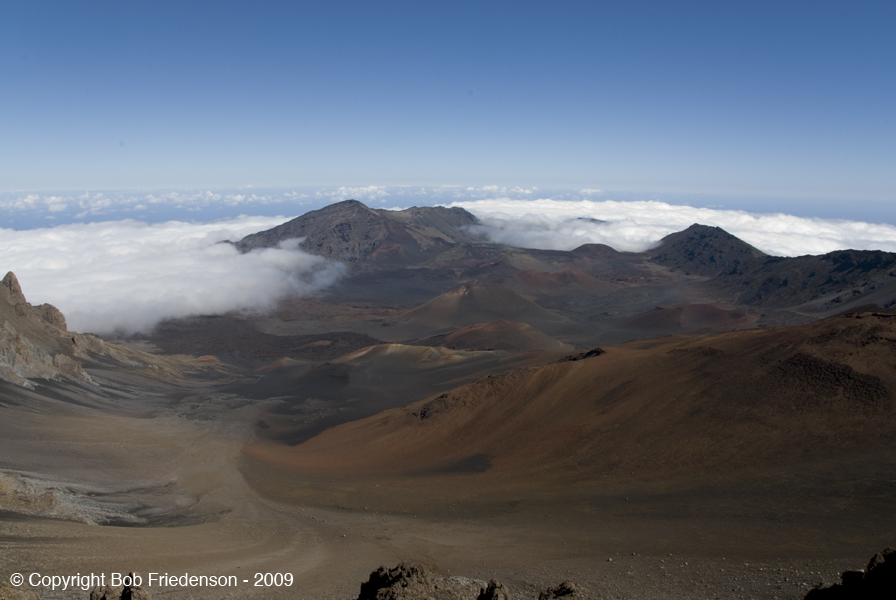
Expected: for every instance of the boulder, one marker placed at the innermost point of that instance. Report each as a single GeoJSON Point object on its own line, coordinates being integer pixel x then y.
{"type": "Point", "coordinates": [407, 581]}
{"type": "Point", "coordinates": [495, 591]}
{"type": "Point", "coordinates": [876, 582]}
{"type": "Point", "coordinates": [567, 590]}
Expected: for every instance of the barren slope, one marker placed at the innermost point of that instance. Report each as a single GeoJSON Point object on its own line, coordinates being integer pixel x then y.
{"type": "Point", "coordinates": [473, 304]}
{"type": "Point", "coordinates": [691, 319]}
{"type": "Point", "coordinates": [499, 335]}
{"type": "Point", "coordinates": [671, 406]}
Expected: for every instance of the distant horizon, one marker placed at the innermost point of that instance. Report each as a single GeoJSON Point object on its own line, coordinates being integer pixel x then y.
{"type": "Point", "coordinates": [757, 100]}
{"type": "Point", "coordinates": [29, 209]}
{"type": "Point", "coordinates": [163, 251]}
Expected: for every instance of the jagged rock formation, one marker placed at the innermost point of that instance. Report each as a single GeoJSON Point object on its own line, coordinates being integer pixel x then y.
{"type": "Point", "coordinates": [350, 232]}
{"type": "Point", "coordinates": [35, 343]}
{"type": "Point", "coordinates": [876, 582]}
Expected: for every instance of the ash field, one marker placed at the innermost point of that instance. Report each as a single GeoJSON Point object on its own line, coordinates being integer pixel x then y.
{"type": "Point", "coordinates": [699, 420]}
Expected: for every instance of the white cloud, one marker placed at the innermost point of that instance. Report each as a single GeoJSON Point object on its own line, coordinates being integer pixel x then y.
{"type": "Point", "coordinates": [489, 190]}
{"type": "Point", "coordinates": [370, 192]}
{"type": "Point", "coordinates": [636, 226]}
{"type": "Point", "coordinates": [129, 275]}
{"type": "Point", "coordinates": [99, 204]}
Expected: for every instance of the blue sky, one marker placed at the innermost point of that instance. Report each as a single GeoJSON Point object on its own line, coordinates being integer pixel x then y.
{"type": "Point", "coordinates": [754, 100]}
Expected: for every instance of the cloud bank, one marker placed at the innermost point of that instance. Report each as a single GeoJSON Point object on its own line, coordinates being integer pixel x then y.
{"type": "Point", "coordinates": [128, 275]}
{"type": "Point", "coordinates": [639, 225]}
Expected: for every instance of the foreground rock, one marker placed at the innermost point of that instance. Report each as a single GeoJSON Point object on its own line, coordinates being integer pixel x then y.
{"type": "Point", "coordinates": [127, 592]}
{"type": "Point", "coordinates": [495, 591]}
{"type": "Point", "coordinates": [409, 581]}
{"type": "Point", "coordinates": [567, 590]}
{"type": "Point", "coordinates": [876, 582]}
{"type": "Point", "coordinates": [8, 592]}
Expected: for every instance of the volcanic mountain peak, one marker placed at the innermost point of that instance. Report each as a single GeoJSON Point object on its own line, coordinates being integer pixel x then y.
{"type": "Point", "coordinates": [350, 231]}
{"type": "Point", "coordinates": [704, 250]}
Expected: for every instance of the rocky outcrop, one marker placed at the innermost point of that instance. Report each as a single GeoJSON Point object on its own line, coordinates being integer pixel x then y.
{"type": "Point", "coordinates": [566, 590]}
{"type": "Point", "coordinates": [8, 592]}
{"type": "Point", "coordinates": [36, 344]}
{"type": "Point", "coordinates": [127, 592]}
{"type": "Point", "coordinates": [494, 591]}
{"type": "Point", "coordinates": [876, 582]}
{"type": "Point", "coordinates": [407, 581]}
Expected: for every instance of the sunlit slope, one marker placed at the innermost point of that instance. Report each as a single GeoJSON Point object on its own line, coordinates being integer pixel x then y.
{"type": "Point", "coordinates": [567, 282]}
{"type": "Point", "coordinates": [470, 304]}
{"type": "Point", "coordinates": [674, 406]}
{"type": "Point", "coordinates": [503, 335]}
{"type": "Point", "coordinates": [691, 319]}
{"type": "Point", "coordinates": [363, 383]}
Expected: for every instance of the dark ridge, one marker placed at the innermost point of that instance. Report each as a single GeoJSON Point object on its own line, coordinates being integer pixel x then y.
{"type": "Point", "coordinates": [704, 250]}
{"type": "Point", "coordinates": [782, 281]}
{"type": "Point", "coordinates": [232, 337]}
{"type": "Point", "coordinates": [817, 382]}
{"type": "Point", "coordinates": [876, 582]}
{"type": "Point", "coordinates": [350, 232]}
{"type": "Point", "coordinates": [582, 355]}
{"type": "Point", "coordinates": [594, 250]}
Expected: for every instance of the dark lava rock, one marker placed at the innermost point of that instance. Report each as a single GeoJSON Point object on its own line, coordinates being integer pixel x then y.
{"type": "Point", "coordinates": [406, 581]}
{"type": "Point", "coordinates": [567, 590]}
{"type": "Point", "coordinates": [128, 592]}
{"type": "Point", "coordinates": [582, 355]}
{"type": "Point", "coordinates": [876, 582]}
{"type": "Point", "coordinates": [495, 591]}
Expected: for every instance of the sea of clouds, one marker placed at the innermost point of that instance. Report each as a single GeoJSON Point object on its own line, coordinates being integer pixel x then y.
{"type": "Point", "coordinates": [635, 226]}
{"type": "Point", "coordinates": [126, 274]}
